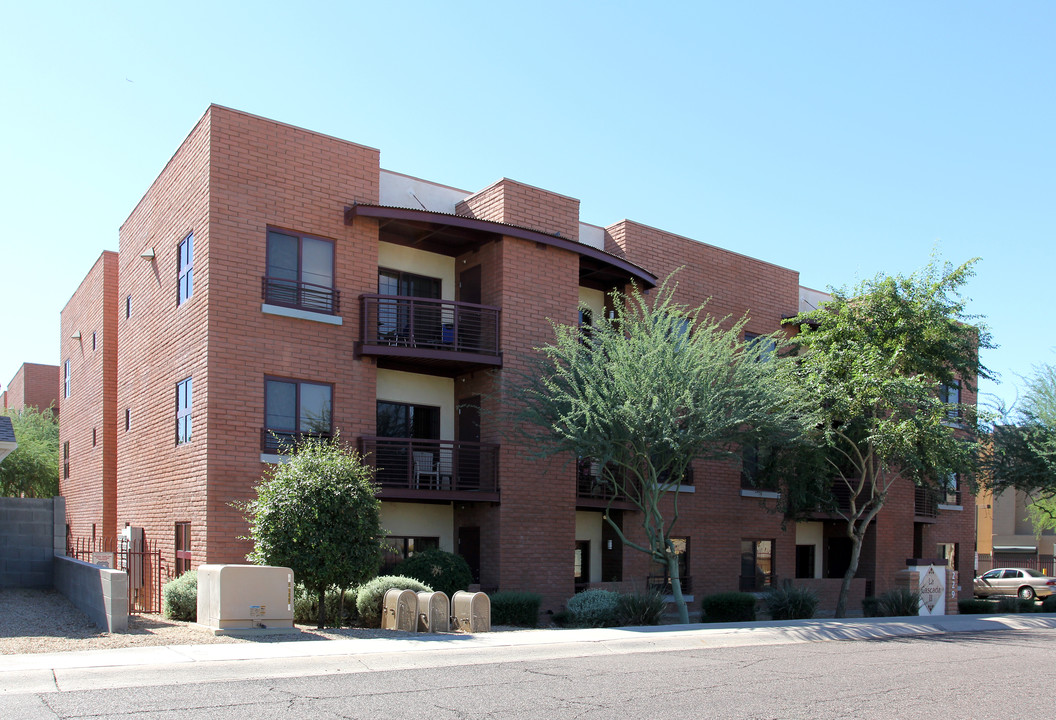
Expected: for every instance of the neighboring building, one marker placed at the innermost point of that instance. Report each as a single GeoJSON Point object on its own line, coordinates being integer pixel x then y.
{"type": "Point", "coordinates": [8, 441]}
{"type": "Point", "coordinates": [275, 281]}
{"type": "Point", "coordinates": [1006, 536]}
{"type": "Point", "coordinates": [33, 386]}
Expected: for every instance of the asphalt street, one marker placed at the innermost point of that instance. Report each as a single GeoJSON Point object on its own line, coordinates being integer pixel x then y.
{"type": "Point", "coordinates": [896, 668]}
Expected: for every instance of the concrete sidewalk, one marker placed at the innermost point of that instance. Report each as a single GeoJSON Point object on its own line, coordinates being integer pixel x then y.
{"type": "Point", "coordinates": [165, 665]}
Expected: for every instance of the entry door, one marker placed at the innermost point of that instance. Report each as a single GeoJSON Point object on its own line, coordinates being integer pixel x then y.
{"type": "Point", "coordinates": [470, 333]}
{"type": "Point", "coordinates": [469, 285]}
{"type": "Point", "coordinates": [469, 549]}
{"type": "Point", "coordinates": [468, 464]}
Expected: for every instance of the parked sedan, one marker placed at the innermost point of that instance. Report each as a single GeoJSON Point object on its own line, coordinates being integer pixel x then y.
{"type": "Point", "coordinates": [1027, 584]}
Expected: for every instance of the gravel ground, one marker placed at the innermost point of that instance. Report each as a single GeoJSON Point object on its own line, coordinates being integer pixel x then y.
{"type": "Point", "coordinates": [43, 621]}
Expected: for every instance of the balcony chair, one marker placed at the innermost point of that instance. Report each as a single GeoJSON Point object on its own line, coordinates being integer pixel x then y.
{"type": "Point", "coordinates": [426, 466]}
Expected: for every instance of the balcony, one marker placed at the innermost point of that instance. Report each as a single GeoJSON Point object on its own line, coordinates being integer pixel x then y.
{"type": "Point", "coordinates": [594, 491]}
{"type": "Point", "coordinates": [416, 469]}
{"type": "Point", "coordinates": [925, 505]}
{"type": "Point", "coordinates": [300, 295]}
{"type": "Point", "coordinates": [442, 336]}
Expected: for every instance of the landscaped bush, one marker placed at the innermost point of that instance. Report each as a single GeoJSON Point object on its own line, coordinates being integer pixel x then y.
{"type": "Point", "coordinates": [641, 608]}
{"type": "Point", "coordinates": [306, 607]}
{"type": "Point", "coordinates": [791, 603]}
{"type": "Point", "coordinates": [594, 608]}
{"type": "Point", "coordinates": [371, 595]}
{"type": "Point", "coordinates": [180, 597]}
{"type": "Point", "coordinates": [871, 606]}
{"type": "Point", "coordinates": [1048, 605]}
{"type": "Point", "coordinates": [975, 606]}
{"type": "Point", "coordinates": [727, 607]}
{"type": "Point", "coordinates": [515, 608]}
{"type": "Point", "coordinates": [441, 570]}
{"type": "Point", "coordinates": [898, 603]}
{"type": "Point", "coordinates": [1009, 605]}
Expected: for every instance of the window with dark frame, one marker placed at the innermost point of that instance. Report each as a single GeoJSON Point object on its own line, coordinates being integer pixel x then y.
{"type": "Point", "coordinates": [93, 437]}
{"type": "Point", "coordinates": [183, 411]}
{"type": "Point", "coordinates": [300, 272]}
{"type": "Point", "coordinates": [128, 307]}
{"type": "Point", "coordinates": [950, 394]}
{"type": "Point", "coordinates": [128, 419]}
{"type": "Point", "coordinates": [398, 548]}
{"type": "Point", "coordinates": [757, 564]}
{"type": "Point", "coordinates": [66, 460]}
{"type": "Point", "coordinates": [183, 547]}
{"type": "Point", "coordinates": [93, 341]}
{"type": "Point", "coordinates": [953, 490]}
{"type": "Point", "coordinates": [293, 408]}
{"type": "Point", "coordinates": [404, 420]}
{"type": "Point", "coordinates": [66, 379]}
{"type": "Point", "coordinates": [185, 272]}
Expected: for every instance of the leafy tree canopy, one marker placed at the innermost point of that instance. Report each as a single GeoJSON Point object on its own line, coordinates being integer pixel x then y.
{"type": "Point", "coordinates": [318, 515]}
{"type": "Point", "coordinates": [648, 391]}
{"type": "Point", "coordinates": [32, 469]}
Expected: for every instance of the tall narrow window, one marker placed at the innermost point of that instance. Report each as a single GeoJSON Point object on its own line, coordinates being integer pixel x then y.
{"type": "Point", "coordinates": [93, 341]}
{"type": "Point", "coordinates": [128, 419]}
{"type": "Point", "coordinates": [183, 547]}
{"type": "Point", "coordinates": [128, 307]}
{"type": "Point", "coordinates": [951, 395]}
{"type": "Point", "coordinates": [66, 460]}
{"type": "Point", "coordinates": [93, 437]}
{"type": "Point", "coordinates": [66, 379]}
{"type": "Point", "coordinates": [183, 411]}
{"type": "Point", "coordinates": [186, 270]}
{"type": "Point", "coordinates": [757, 564]}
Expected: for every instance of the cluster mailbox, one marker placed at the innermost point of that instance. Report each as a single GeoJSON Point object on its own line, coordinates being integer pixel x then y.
{"type": "Point", "coordinates": [399, 610]}
{"type": "Point", "coordinates": [471, 612]}
{"type": "Point", "coordinates": [433, 612]}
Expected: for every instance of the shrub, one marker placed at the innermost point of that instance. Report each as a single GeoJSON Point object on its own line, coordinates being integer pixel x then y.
{"type": "Point", "coordinates": [640, 608]}
{"type": "Point", "coordinates": [515, 608]}
{"type": "Point", "coordinates": [180, 597]}
{"type": "Point", "coordinates": [976, 606]}
{"type": "Point", "coordinates": [1009, 605]}
{"type": "Point", "coordinates": [727, 607]}
{"type": "Point", "coordinates": [898, 603]}
{"type": "Point", "coordinates": [1048, 605]}
{"type": "Point", "coordinates": [593, 608]}
{"type": "Point", "coordinates": [441, 570]}
{"type": "Point", "coordinates": [371, 595]}
{"type": "Point", "coordinates": [871, 606]}
{"type": "Point", "coordinates": [791, 603]}
{"type": "Point", "coordinates": [306, 607]}
{"type": "Point", "coordinates": [562, 618]}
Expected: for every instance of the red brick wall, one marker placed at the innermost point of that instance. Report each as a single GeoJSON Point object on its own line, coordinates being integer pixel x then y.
{"type": "Point", "coordinates": [514, 203]}
{"type": "Point", "coordinates": [90, 490]}
{"type": "Point", "coordinates": [33, 386]}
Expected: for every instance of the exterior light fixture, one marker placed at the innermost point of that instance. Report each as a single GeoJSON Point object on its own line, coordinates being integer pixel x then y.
{"type": "Point", "coordinates": [148, 254]}
{"type": "Point", "coordinates": [76, 335]}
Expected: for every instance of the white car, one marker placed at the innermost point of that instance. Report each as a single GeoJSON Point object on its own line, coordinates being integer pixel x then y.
{"type": "Point", "coordinates": [1027, 584]}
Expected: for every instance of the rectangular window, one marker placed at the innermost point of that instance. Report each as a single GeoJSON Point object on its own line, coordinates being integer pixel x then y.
{"type": "Point", "coordinates": [953, 490]}
{"type": "Point", "coordinates": [183, 411]}
{"type": "Point", "coordinates": [951, 395]}
{"type": "Point", "coordinates": [293, 408]}
{"type": "Point", "coordinates": [397, 549]}
{"type": "Point", "coordinates": [66, 379]}
{"type": "Point", "coordinates": [401, 420]}
{"type": "Point", "coordinates": [185, 270]}
{"type": "Point", "coordinates": [66, 460]}
{"type": "Point", "coordinates": [183, 547]}
{"type": "Point", "coordinates": [128, 307]}
{"type": "Point", "coordinates": [760, 345]}
{"type": "Point", "coordinates": [805, 555]}
{"type": "Point", "coordinates": [93, 437]}
{"type": "Point", "coordinates": [93, 341]}
{"type": "Point", "coordinates": [128, 419]}
{"type": "Point", "coordinates": [300, 272]}
{"type": "Point", "coordinates": [757, 564]}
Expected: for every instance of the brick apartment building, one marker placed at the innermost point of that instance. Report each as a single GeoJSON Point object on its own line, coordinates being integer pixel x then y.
{"type": "Point", "coordinates": [34, 385]}
{"type": "Point", "coordinates": [274, 281]}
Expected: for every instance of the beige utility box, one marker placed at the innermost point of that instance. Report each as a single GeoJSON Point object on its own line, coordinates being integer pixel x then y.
{"type": "Point", "coordinates": [399, 610]}
{"type": "Point", "coordinates": [245, 597]}
{"type": "Point", "coordinates": [471, 612]}
{"type": "Point", "coordinates": [434, 612]}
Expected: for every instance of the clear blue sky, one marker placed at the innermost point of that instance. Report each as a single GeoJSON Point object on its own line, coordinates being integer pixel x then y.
{"type": "Point", "coordinates": [839, 139]}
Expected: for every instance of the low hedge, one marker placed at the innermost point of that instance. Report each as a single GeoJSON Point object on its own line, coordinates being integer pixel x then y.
{"type": "Point", "coordinates": [180, 597]}
{"type": "Point", "coordinates": [515, 608]}
{"type": "Point", "coordinates": [306, 607]}
{"type": "Point", "coordinates": [594, 608]}
{"type": "Point", "coordinates": [727, 607]}
{"type": "Point", "coordinates": [791, 603]}
{"type": "Point", "coordinates": [975, 606]}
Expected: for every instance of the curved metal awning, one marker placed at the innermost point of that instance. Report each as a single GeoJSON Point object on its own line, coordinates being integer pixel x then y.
{"type": "Point", "coordinates": [455, 234]}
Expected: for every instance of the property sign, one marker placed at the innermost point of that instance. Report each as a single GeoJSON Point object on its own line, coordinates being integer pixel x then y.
{"type": "Point", "coordinates": [932, 591]}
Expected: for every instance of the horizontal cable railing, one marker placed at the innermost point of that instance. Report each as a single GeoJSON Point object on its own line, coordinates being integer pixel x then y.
{"type": "Point", "coordinates": [300, 295]}
{"type": "Point", "coordinates": [281, 442]}
{"type": "Point", "coordinates": [415, 464]}
{"type": "Point", "coordinates": [425, 323]}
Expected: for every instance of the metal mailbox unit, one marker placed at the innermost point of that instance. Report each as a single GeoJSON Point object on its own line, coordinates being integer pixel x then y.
{"type": "Point", "coordinates": [472, 612]}
{"type": "Point", "coordinates": [399, 610]}
{"type": "Point", "coordinates": [434, 612]}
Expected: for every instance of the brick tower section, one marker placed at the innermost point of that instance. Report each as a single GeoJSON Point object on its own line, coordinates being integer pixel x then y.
{"type": "Point", "coordinates": [34, 385]}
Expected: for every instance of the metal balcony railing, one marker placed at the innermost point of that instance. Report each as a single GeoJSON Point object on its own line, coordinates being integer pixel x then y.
{"type": "Point", "coordinates": [428, 324]}
{"type": "Point", "coordinates": [433, 465]}
{"type": "Point", "coordinates": [925, 502]}
{"type": "Point", "coordinates": [300, 295]}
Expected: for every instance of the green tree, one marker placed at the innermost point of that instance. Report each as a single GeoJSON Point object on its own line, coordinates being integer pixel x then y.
{"type": "Point", "coordinates": [645, 393]}
{"type": "Point", "coordinates": [876, 360]}
{"type": "Point", "coordinates": [32, 469]}
{"type": "Point", "coordinates": [1022, 453]}
{"type": "Point", "coordinates": [319, 515]}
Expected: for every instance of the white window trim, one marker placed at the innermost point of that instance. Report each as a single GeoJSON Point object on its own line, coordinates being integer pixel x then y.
{"type": "Point", "coordinates": [299, 314]}
{"type": "Point", "coordinates": [943, 506]}
{"type": "Point", "coordinates": [769, 494]}
{"type": "Point", "coordinates": [271, 459]}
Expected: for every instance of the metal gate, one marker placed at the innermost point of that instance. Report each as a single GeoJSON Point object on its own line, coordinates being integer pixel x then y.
{"type": "Point", "coordinates": [138, 557]}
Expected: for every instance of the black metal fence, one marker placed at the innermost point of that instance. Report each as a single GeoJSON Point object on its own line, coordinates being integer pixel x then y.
{"type": "Point", "coordinates": [1044, 563]}
{"type": "Point", "coordinates": [141, 559]}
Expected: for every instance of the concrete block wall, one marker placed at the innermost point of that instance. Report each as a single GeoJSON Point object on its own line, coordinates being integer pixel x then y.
{"type": "Point", "coordinates": [32, 531]}
{"type": "Point", "coordinates": [98, 592]}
